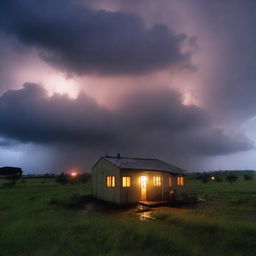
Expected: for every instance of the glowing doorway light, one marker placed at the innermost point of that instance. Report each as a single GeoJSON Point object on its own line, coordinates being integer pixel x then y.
{"type": "Point", "coordinates": [143, 179]}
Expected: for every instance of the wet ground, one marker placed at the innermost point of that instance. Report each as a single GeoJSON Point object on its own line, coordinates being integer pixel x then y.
{"type": "Point", "coordinates": [140, 212]}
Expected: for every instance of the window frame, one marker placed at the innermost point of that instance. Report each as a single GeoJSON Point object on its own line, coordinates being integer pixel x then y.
{"type": "Point", "coordinates": [180, 181]}
{"type": "Point", "coordinates": [157, 181]}
{"type": "Point", "coordinates": [127, 183]}
{"type": "Point", "coordinates": [170, 181]}
{"type": "Point", "coordinates": [110, 181]}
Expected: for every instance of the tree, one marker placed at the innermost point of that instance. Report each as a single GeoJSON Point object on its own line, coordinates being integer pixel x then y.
{"type": "Point", "coordinates": [206, 178]}
{"type": "Point", "coordinates": [218, 178]}
{"type": "Point", "coordinates": [231, 179]}
{"type": "Point", "coordinates": [11, 173]}
{"type": "Point", "coordinates": [84, 177]}
{"type": "Point", "coordinates": [62, 179]}
{"type": "Point", "coordinates": [248, 177]}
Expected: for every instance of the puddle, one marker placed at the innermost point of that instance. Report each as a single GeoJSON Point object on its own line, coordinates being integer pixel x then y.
{"type": "Point", "coordinates": [145, 216]}
{"type": "Point", "coordinates": [142, 208]}
{"type": "Point", "coordinates": [141, 212]}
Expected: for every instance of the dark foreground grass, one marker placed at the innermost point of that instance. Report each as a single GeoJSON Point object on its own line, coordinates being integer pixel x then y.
{"type": "Point", "coordinates": [33, 223]}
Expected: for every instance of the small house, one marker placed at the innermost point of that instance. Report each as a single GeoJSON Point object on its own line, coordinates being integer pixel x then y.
{"type": "Point", "coordinates": [124, 180]}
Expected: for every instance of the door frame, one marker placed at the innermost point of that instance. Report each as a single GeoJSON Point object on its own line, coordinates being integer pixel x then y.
{"type": "Point", "coordinates": [143, 187]}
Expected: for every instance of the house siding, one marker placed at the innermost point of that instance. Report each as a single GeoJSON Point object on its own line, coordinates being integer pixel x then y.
{"type": "Point", "coordinates": [132, 194]}
{"type": "Point", "coordinates": [99, 189]}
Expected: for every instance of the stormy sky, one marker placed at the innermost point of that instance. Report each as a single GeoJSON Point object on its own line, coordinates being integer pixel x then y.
{"type": "Point", "coordinates": [168, 79]}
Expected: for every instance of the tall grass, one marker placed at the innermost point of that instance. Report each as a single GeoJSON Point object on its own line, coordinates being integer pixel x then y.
{"type": "Point", "coordinates": [30, 225]}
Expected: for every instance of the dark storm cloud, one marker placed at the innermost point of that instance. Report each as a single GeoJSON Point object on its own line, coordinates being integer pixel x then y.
{"type": "Point", "coordinates": [158, 122]}
{"type": "Point", "coordinates": [43, 119]}
{"type": "Point", "coordinates": [81, 40]}
{"type": "Point", "coordinates": [231, 87]}
{"type": "Point", "coordinates": [6, 143]}
{"type": "Point", "coordinates": [226, 40]}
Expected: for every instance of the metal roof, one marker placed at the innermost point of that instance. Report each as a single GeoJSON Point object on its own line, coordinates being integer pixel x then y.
{"type": "Point", "coordinates": [144, 164]}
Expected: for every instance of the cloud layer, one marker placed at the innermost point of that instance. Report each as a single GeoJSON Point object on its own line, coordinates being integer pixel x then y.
{"type": "Point", "coordinates": [154, 122]}
{"type": "Point", "coordinates": [127, 57]}
{"type": "Point", "coordinates": [81, 40]}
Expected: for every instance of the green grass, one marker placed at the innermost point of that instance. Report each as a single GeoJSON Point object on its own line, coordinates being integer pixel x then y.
{"type": "Point", "coordinates": [222, 225]}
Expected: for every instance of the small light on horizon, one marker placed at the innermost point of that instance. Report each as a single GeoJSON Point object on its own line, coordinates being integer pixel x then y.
{"type": "Point", "coordinates": [213, 178]}
{"type": "Point", "coordinates": [73, 174]}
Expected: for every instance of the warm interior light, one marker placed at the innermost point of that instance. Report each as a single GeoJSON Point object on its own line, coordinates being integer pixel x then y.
{"type": "Point", "coordinates": [180, 181]}
{"type": "Point", "coordinates": [213, 178]}
{"type": "Point", "coordinates": [157, 181]}
{"type": "Point", "coordinates": [143, 181]}
{"type": "Point", "coordinates": [143, 178]}
{"type": "Point", "coordinates": [111, 182]}
{"type": "Point", "coordinates": [126, 181]}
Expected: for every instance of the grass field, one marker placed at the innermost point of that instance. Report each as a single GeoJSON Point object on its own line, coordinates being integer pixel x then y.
{"type": "Point", "coordinates": [223, 224]}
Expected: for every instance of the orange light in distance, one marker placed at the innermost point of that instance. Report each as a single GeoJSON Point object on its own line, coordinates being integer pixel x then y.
{"type": "Point", "coordinates": [73, 174]}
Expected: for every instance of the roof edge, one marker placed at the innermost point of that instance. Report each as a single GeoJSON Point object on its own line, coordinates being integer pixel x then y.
{"type": "Point", "coordinates": [153, 170]}
{"type": "Point", "coordinates": [180, 171]}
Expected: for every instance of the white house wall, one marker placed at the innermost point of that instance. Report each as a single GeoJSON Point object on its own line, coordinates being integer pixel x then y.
{"type": "Point", "coordinates": [99, 173]}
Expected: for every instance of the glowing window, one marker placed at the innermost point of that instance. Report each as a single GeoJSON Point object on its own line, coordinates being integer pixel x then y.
{"type": "Point", "coordinates": [157, 181]}
{"type": "Point", "coordinates": [111, 181]}
{"type": "Point", "coordinates": [170, 181]}
{"type": "Point", "coordinates": [180, 181]}
{"type": "Point", "coordinates": [126, 182]}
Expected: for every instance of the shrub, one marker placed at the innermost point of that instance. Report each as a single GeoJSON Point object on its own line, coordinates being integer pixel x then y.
{"type": "Point", "coordinates": [62, 178]}
{"type": "Point", "coordinates": [218, 178]}
{"type": "Point", "coordinates": [11, 173]}
{"type": "Point", "coordinates": [206, 178]}
{"type": "Point", "coordinates": [248, 177]}
{"type": "Point", "coordinates": [66, 178]}
{"type": "Point", "coordinates": [84, 177]}
{"type": "Point", "coordinates": [231, 179]}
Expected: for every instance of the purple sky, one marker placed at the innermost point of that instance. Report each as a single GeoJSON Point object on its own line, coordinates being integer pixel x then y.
{"type": "Point", "coordinates": [168, 79]}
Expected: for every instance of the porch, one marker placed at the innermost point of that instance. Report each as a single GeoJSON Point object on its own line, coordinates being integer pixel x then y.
{"type": "Point", "coordinates": [154, 203]}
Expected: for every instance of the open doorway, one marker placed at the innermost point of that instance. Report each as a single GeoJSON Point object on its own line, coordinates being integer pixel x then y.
{"type": "Point", "coordinates": [143, 188]}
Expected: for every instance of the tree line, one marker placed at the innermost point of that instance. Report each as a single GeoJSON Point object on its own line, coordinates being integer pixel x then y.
{"type": "Point", "coordinates": [220, 176]}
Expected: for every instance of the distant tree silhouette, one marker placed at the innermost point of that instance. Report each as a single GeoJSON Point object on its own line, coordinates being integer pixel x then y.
{"type": "Point", "coordinates": [62, 178]}
{"type": "Point", "coordinates": [11, 173]}
{"type": "Point", "coordinates": [65, 178]}
{"type": "Point", "coordinates": [84, 177]}
{"type": "Point", "coordinates": [218, 178]}
{"type": "Point", "coordinates": [231, 179]}
{"type": "Point", "coordinates": [205, 178]}
{"type": "Point", "coordinates": [248, 177]}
